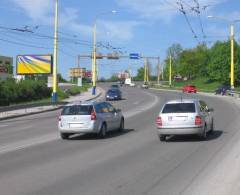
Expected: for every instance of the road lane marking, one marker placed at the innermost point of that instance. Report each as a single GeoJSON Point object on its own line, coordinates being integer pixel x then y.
{"type": "Point", "coordinates": [143, 108]}
{"type": "Point", "coordinates": [4, 126]}
{"type": "Point", "coordinates": [28, 143]}
{"type": "Point", "coordinates": [4, 131]}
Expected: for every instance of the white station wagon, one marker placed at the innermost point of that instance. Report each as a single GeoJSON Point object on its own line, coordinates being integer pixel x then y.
{"type": "Point", "coordinates": [183, 117]}
{"type": "Point", "coordinates": [89, 117]}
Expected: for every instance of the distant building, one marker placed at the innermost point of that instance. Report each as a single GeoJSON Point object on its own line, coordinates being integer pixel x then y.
{"type": "Point", "coordinates": [123, 75]}
{"type": "Point", "coordinates": [6, 67]}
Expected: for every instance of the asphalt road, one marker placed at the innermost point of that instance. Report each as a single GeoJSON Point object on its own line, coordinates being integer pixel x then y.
{"type": "Point", "coordinates": [34, 160]}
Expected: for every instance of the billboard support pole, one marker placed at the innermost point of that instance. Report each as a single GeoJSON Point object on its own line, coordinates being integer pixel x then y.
{"type": "Point", "coordinates": [55, 82]}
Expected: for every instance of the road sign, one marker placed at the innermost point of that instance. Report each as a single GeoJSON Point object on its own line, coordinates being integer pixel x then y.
{"type": "Point", "coordinates": [134, 56]}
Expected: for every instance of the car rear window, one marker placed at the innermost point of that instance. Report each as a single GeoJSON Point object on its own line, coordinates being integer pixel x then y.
{"type": "Point", "coordinates": [179, 108]}
{"type": "Point", "coordinates": [77, 110]}
{"type": "Point", "coordinates": [112, 91]}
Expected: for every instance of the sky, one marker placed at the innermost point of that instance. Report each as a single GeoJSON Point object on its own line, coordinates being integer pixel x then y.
{"type": "Point", "coordinates": [147, 27]}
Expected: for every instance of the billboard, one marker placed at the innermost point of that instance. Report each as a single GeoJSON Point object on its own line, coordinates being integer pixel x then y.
{"type": "Point", "coordinates": [77, 72]}
{"type": "Point", "coordinates": [88, 74]}
{"type": "Point", "coordinates": [34, 64]}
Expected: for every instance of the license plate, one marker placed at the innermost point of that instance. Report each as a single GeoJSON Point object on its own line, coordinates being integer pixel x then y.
{"type": "Point", "coordinates": [75, 125]}
{"type": "Point", "coordinates": [180, 118]}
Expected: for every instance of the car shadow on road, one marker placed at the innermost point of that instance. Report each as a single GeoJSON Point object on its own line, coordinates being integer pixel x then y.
{"type": "Point", "coordinates": [194, 138]}
{"type": "Point", "coordinates": [109, 135]}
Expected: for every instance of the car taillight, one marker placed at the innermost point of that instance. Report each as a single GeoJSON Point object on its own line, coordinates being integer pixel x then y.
{"type": "Point", "coordinates": [159, 121]}
{"type": "Point", "coordinates": [93, 116]}
{"type": "Point", "coordinates": [198, 120]}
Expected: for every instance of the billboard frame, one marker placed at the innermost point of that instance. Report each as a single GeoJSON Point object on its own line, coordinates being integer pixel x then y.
{"type": "Point", "coordinates": [51, 65]}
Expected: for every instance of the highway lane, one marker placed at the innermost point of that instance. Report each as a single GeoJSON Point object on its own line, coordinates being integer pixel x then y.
{"type": "Point", "coordinates": [134, 162]}
{"type": "Point", "coordinates": [35, 128]}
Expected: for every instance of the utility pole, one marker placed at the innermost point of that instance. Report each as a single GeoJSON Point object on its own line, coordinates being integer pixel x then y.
{"type": "Point", "coordinates": [55, 57]}
{"type": "Point", "coordinates": [232, 22]}
{"type": "Point", "coordinates": [94, 59]}
{"type": "Point", "coordinates": [170, 71]}
{"type": "Point", "coordinates": [78, 61]}
{"type": "Point", "coordinates": [162, 72]}
{"type": "Point", "coordinates": [232, 55]}
{"type": "Point", "coordinates": [158, 76]}
{"type": "Point", "coordinates": [145, 71]}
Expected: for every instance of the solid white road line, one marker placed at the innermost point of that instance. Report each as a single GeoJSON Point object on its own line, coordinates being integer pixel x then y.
{"type": "Point", "coordinates": [28, 143]}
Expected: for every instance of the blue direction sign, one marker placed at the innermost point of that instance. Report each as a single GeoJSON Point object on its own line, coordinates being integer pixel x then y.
{"type": "Point", "coordinates": [134, 56]}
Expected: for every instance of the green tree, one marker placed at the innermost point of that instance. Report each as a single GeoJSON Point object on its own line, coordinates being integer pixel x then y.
{"type": "Point", "coordinates": [192, 63]}
{"type": "Point", "coordinates": [61, 79]}
{"type": "Point", "coordinates": [220, 60]}
{"type": "Point", "coordinates": [140, 74]}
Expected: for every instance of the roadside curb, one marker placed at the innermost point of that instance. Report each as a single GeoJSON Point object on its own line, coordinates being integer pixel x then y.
{"type": "Point", "coordinates": [225, 98]}
{"type": "Point", "coordinates": [49, 110]}
{"type": "Point", "coordinates": [180, 91]}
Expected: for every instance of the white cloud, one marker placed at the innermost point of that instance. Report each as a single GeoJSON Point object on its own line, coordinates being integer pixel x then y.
{"type": "Point", "coordinates": [42, 12]}
{"type": "Point", "coordinates": [37, 10]}
{"type": "Point", "coordinates": [120, 30]}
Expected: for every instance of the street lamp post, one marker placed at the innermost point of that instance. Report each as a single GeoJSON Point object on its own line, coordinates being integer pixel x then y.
{"type": "Point", "coordinates": [232, 22]}
{"type": "Point", "coordinates": [94, 60]}
{"type": "Point", "coordinates": [232, 56]}
{"type": "Point", "coordinates": [170, 71]}
{"type": "Point", "coordinates": [55, 82]}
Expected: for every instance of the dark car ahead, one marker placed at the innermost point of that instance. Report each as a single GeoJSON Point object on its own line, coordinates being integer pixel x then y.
{"type": "Point", "coordinates": [113, 94]}
{"type": "Point", "coordinates": [222, 90]}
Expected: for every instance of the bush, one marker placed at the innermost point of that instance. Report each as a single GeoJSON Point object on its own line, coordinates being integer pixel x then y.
{"type": "Point", "coordinates": [74, 90]}
{"type": "Point", "coordinates": [61, 94]}
{"type": "Point", "coordinates": [26, 90]}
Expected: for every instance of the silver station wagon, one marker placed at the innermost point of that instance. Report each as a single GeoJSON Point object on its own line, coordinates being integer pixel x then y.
{"type": "Point", "coordinates": [89, 117]}
{"type": "Point", "coordinates": [183, 117]}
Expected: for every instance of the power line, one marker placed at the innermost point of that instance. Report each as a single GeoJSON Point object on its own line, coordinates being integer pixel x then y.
{"type": "Point", "coordinates": [70, 40]}
{"type": "Point", "coordinates": [34, 46]}
{"type": "Point", "coordinates": [182, 10]}
{"type": "Point", "coordinates": [199, 17]}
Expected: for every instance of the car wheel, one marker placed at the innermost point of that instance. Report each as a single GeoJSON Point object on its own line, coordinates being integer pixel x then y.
{"type": "Point", "coordinates": [162, 138]}
{"type": "Point", "coordinates": [121, 127]}
{"type": "Point", "coordinates": [64, 135]}
{"type": "Point", "coordinates": [103, 131]}
{"type": "Point", "coordinates": [204, 134]}
{"type": "Point", "coordinates": [212, 127]}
